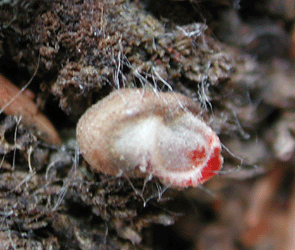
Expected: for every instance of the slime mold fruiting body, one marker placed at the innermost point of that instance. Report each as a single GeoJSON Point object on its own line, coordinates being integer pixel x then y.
{"type": "Point", "coordinates": [141, 132]}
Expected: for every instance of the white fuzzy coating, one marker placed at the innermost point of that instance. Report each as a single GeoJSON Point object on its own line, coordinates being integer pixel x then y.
{"type": "Point", "coordinates": [137, 145]}
{"type": "Point", "coordinates": [139, 132]}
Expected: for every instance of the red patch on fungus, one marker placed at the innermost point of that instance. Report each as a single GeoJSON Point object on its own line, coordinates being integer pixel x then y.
{"type": "Point", "coordinates": [196, 155]}
{"type": "Point", "coordinates": [213, 165]}
{"type": "Point", "coordinates": [187, 183]}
